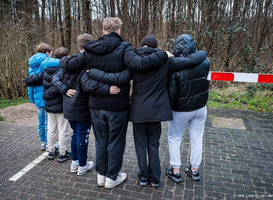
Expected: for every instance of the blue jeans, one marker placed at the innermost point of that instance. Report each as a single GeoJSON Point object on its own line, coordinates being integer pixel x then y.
{"type": "Point", "coordinates": [110, 135]}
{"type": "Point", "coordinates": [79, 140]}
{"type": "Point", "coordinates": [146, 137]}
{"type": "Point", "coordinates": [42, 124]}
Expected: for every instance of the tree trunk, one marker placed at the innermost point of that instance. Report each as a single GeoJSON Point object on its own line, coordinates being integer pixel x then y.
{"type": "Point", "coordinates": [112, 6]}
{"type": "Point", "coordinates": [36, 10]}
{"type": "Point", "coordinates": [60, 21]}
{"type": "Point", "coordinates": [86, 16]}
{"type": "Point", "coordinates": [68, 24]}
{"type": "Point", "coordinates": [54, 20]}
{"type": "Point", "coordinates": [104, 7]}
{"type": "Point", "coordinates": [154, 16]}
{"type": "Point", "coordinates": [43, 13]}
{"type": "Point", "coordinates": [145, 19]}
{"type": "Point", "coordinates": [79, 17]}
{"type": "Point", "coordinates": [27, 9]}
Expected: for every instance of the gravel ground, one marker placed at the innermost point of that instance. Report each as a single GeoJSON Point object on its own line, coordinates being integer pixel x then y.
{"type": "Point", "coordinates": [25, 114]}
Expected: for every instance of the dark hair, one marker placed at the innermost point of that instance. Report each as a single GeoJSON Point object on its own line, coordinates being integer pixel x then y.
{"type": "Point", "coordinates": [150, 41]}
{"type": "Point", "coordinates": [43, 48]}
{"type": "Point", "coordinates": [61, 52]}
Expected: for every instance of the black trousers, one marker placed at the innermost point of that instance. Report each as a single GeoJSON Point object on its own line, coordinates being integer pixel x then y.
{"type": "Point", "coordinates": [146, 137]}
{"type": "Point", "coordinates": [110, 136]}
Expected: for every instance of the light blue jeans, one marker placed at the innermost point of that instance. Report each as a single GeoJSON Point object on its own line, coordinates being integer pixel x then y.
{"type": "Point", "coordinates": [196, 124]}
{"type": "Point", "coordinates": [42, 124]}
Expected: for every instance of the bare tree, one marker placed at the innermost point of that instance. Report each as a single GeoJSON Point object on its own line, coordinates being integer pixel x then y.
{"type": "Point", "coordinates": [87, 16]}
{"type": "Point", "coordinates": [60, 21]}
{"type": "Point", "coordinates": [238, 35]}
{"type": "Point", "coordinates": [68, 24]}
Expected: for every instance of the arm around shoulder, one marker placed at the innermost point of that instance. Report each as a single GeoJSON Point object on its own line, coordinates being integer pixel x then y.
{"type": "Point", "coordinates": [92, 86]}
{"type": "Point", "coordinates": [57, 81]}
{"type": "Point", "coordinates": [73, 64]}
{"type": "Point", "coordinates": [189, 62]}
{"type": "Point", "coordinates": [111, 78]}
{"type": "Point", "coordinates": [136, 62]}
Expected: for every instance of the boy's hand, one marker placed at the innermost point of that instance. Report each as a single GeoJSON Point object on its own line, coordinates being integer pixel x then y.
{"type": "Point", "coordinates": [70, 92]}
{"type": "Point", "coordinates": [114, 89]}
{"type": "Point", "coordinates": [169, 54]}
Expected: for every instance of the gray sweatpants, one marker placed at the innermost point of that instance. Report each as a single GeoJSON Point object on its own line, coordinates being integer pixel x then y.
{"type": "Point", "coordinates": [196, 123]}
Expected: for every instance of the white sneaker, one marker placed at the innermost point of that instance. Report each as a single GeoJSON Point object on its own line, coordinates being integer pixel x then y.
{"type": "Point", "coordinates": [109, 183]}
{"type": "Point", "coordinates": [82, 170]}
{"type": "Point", "coordinates": [100, 180]}
{"type": "Point", "coordinates": [43, 146]}
{"type": "Point", "coordinates": [74, 166]}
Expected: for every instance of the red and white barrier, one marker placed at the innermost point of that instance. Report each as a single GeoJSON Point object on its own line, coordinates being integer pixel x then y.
{"type": "Point", "coordinates": [240, 77]}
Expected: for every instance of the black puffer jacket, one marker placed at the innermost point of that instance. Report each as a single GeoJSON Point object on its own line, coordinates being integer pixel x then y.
{"type": "Point", "coordinates": [150, 101]}
{"type": "Point", "coordinates": [188, 89]}
{"type": "Point", "coordinates": [111, 54]}
{"type": "Point", "coordinates": [53, 98]}
{"type": "Point", "coordinates": [76, 108]}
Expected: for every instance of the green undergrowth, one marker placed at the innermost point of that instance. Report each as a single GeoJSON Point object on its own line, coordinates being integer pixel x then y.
{"type": "Point", "coordinates": [246, 98]}
{"type": "Point", "coordinates": [12, 102]}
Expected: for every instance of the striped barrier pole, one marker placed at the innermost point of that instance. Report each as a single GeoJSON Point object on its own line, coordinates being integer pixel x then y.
{"type": "Point", "coordinates": [240, 77]}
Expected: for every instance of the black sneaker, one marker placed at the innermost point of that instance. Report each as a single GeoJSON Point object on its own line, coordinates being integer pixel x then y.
{"type": "Point", "coordinates": [155, 185]}
{"type": "Point", "coordinates": [175, 177]}
{"type": "Point", "coordinates": [143, 182]}
{"type": "Point", "coordinates": [64, 157]}
{"type": "Point", "coordinates": [194, 175]}
{"type": "Point", "coordinates": [53, 154]}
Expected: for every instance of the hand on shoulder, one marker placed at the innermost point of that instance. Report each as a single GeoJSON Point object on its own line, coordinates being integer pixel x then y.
{"type": "Point", "coordinates": [169, 54]}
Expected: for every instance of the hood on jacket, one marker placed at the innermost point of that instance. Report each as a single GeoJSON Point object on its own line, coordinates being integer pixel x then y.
{"type": "Point", "coordinates": [104, 44]}
{"type": "Point", "coordinates": [142, 51]}
{"type": "Point", "coordinates": [36, 59]}
{"type": "Point", "coordinates": [51, 62]}
{"type": "Point", "coordinates": [184, 45]}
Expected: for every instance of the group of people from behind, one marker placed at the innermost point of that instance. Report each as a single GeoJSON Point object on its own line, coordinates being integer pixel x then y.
{"type": "Point", "coordinates": [93, 88]}
{"type": "Point", "coordinates": [62, 103]}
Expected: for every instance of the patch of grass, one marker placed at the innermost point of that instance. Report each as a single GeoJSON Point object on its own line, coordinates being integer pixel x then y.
{"type": "Point", "coordinates": [12, 102]}
{"type": "Point", "coordinates": [1, 118]}
{"type": "Point", "coordinates": [241, 97]}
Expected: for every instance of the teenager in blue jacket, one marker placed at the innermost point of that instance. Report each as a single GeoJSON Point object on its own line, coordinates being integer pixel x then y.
{"type": "Point", "coordinates": [35, 91]}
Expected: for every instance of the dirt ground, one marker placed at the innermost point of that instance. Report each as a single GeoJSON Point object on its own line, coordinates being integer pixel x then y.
{"type": "Point", "coordinates": [25, 114]}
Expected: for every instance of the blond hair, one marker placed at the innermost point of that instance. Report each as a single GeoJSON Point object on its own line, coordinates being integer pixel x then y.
{"type": "Point", "coordinates": [43, 48]}
{"type": "Point", "coordinates": [83, 40]}
{"type": "Point", "coordinates": [112, 24]}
